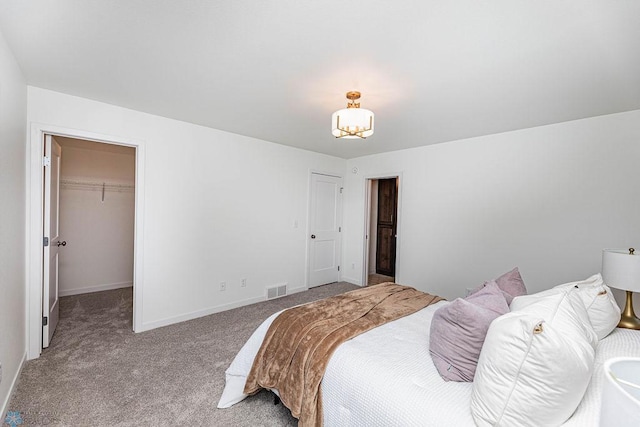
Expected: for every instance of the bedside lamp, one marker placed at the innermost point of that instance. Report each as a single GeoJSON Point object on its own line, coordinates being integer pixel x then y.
{"type": "Point", "coordinates": [621, 270]}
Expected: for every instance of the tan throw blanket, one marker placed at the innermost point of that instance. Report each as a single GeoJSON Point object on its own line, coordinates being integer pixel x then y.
{"type": "Point", "coordinates": [300, 341]}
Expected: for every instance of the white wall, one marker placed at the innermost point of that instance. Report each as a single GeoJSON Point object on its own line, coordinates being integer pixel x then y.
{"type": "Point", "coordinates": [218, 206]}
{"type": "Point", "coordinates": [99, 234]}
{"type": "Point", "coordinates": [13, 111]}
{"type": "Point", "coordinates": [546, 199]}
{"type": "Point", "coordinates": [221, 207]}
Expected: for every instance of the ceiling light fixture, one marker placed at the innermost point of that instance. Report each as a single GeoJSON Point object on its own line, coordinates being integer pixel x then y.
{"type": "Point", "coordinates": [352, 122]}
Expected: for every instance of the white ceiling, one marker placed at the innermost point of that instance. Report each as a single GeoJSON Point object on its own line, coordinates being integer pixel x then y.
{"type": "Point", "coordinates": [431, 70]}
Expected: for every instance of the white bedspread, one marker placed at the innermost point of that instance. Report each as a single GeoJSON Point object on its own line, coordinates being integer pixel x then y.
{"type": "Point", "coordinates": [385, 377]}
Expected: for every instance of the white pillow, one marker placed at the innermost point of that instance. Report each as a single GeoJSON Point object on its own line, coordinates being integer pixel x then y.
{"type": "Point", "coordinates": [552, 302]}
{"type": "Point", "coordinates": [603, 311]}
{"type": "Point", "coordinates": [535, 365]}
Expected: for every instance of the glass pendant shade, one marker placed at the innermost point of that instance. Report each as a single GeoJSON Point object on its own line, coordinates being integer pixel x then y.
{"type": "Point", "coordinates": [352, 122]}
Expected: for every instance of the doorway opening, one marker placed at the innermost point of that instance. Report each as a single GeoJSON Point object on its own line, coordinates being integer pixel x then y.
{"type": "Point", "coordinates": [39, 303]}
{"type": "Point", "coordinates": [89, 218]}
{"type": "Point", "coordinates": [381, 233]}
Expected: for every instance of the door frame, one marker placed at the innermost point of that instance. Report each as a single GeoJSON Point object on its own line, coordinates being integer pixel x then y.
{"type": "Point", "coordinates": [34, 208]}
{"type": "Point", "coordinates": [392, 183]}
{"type": "Point", "coordinates": [367, 223]}
{"type": "Point", "coordinates": [307, 275]}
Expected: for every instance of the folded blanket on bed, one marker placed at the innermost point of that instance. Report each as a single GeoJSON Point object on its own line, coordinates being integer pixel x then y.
{"type": "Point", "coordinates": [301, 340]}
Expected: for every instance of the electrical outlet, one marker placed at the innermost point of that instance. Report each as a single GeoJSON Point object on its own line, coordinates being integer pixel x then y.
{"type": "Point", "coordinates": [243, 283]}
{"type": "Point", "coordinates": [223, 286]}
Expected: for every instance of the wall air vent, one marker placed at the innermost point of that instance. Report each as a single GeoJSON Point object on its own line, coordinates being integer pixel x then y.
{"type": "Point", "coordinates": [277, 291]}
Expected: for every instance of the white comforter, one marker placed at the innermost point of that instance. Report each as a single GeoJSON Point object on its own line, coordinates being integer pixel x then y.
{"type": "Point", "coordinates": [385, 377]}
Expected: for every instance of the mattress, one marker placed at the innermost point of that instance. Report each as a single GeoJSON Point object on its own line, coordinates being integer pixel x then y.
{"type": "Point", "coordinates": [386, 377]}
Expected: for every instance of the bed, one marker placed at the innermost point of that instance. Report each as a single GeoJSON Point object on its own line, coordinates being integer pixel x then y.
{"type": "Point", "coordinates": [386, 377]}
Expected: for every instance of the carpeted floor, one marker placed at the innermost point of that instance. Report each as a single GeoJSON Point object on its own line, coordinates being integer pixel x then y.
{"type": "Point", "coordinates": [97, 372]}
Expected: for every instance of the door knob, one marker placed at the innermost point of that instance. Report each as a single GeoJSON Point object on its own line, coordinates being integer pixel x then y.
{"type": "Point", "coordinates": [63, 243]}
{"type": "Point", "coordinates": [313, 236]}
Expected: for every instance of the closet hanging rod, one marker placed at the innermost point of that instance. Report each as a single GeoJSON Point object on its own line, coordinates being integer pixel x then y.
{"type": "Point", "coordinates": [74, 184]}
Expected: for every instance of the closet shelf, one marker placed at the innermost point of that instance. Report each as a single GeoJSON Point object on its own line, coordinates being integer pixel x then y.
{"type": "Point", "coordinates": [73, 184]}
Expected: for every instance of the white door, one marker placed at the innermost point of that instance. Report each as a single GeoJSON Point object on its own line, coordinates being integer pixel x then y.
{"type": "Point", "coordinates": [325, 229]}
{"type": "Point", "coordinates": [50, 301]}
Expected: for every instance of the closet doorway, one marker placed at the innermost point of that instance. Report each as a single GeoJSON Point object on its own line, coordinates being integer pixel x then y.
{"type": "Point", "coordinates": [37, 172]}
{"type": "Point", "coordinates": [95, 211]}
{"type": "Point", "coordinates": [381, 230]}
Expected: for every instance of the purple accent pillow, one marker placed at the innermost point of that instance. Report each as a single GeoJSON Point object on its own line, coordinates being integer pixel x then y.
{"type": "Point", "coordinates": [510, 283]}
{"type": "Point", "coordinates": [458, 331]}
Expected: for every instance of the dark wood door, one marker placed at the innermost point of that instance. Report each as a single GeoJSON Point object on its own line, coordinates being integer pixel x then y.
{"type": "Point", "coordinates": [386, 236]}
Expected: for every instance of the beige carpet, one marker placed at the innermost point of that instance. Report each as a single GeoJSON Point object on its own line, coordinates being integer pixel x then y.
{"type": "Point", "coordinates": [97, 372]}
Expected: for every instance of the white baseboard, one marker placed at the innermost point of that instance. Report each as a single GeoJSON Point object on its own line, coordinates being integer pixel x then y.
{"type": "Point", "coordinates": [12, 389]}
{"type": "Point", "coordinates": [96, 288]}
{"type": "Point", "coordinates": [351, 280]}
{"type": "Point", "coordinates": [296, 290]}
{"type": "Point", "coordinates": [207, 311]}
{"type": "Point", "coordinates": [199, 313]}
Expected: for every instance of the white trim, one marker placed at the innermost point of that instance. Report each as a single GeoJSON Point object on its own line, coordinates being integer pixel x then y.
{"type": "Point", "coordinates": [308, 231]}
{"type": "Point", "coordinates": [198, 313]}
{"type": "Point", "coordinates": [368, 184]}
{"type": "Point", "coordinates": [367, 213]}
{"type": "Point", "coordinates": [34, 178]}
{"type": "Point", "coordinates": [325, 173]}
{"type": "Point", "coordinates": [399, 228]}
{"type": "Point", "coordinates": [353, 281]}
{"type": "Point", "coordinates": [211, 310]}
{"type": "Point", "coordinates": [96, 288]}
{"type": "Point", "coordinates": [291, 291]}
{"type": "Point", "coordinates": [12, 387]}
{"type": "Point", "coordinates": [307, 261]}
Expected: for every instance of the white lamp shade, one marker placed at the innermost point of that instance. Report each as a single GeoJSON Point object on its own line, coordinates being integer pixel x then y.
{"type": "Point", "coordinates": [620, 405]}
{"type": "Point", "coordinates": [352, 123]}
{"type": "Point", "coordinates": [621, 270]}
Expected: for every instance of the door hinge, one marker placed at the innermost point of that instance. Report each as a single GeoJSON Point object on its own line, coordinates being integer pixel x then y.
{"type": "Point", "coordinates": [341, 188]}
{"type": "Point", "coordinates": [339, 229]}
{"type": "Point", "coordinates": [338, 268]}
{"type": "Point", "coordinates": [46, 241]}
{"type": "Point", "coordinates": [45, 320]}
{"type": "Point", "coordinates": [46, 161]}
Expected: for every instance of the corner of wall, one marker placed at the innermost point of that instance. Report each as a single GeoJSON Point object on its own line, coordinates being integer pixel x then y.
{"type": "Point", "coordinates": [13, 136]}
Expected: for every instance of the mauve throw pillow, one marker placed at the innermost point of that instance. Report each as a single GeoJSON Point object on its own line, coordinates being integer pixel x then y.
{"type": "Point", "coordinates": [458, 331]}
{"type": "Point", "coordinates": [510, 283]}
